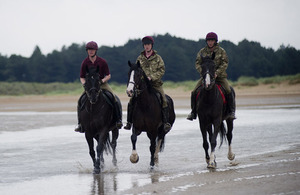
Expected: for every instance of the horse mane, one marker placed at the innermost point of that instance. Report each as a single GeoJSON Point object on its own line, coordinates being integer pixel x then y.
{"type": "Point", "coordinates": [148, 82]}
{"type": "Point", "coordinates": [207, 58]}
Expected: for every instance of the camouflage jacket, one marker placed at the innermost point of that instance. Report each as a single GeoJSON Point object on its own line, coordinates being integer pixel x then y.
{"type": "Point", "coordinates": [154, 67]}
{"type": "Point", "coordinates": [221, 60]}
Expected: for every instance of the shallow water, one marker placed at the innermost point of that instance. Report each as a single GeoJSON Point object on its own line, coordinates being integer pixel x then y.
{"type": "Point", "coordinates": [40, 152]}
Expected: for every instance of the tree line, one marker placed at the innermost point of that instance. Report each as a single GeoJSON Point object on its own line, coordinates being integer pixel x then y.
{"type": "Point", "coordinates": [247, 58]}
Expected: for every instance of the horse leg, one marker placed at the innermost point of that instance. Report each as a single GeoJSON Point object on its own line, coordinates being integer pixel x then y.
{"type": "Point", "coordinates": [90, 142]}
{"type": "Point", "coordinates": [157, 149]}
{"type": "Point", "coordinates": [205, 142]}
{"type": "Point", "coordinates": [230, 155]}
{"type": "Point", "coordinates": [213, 143]}
{"type": "Point", "coordinates": [115, 135]}
{"type": "Point", "coordinates": [134, 157]}
{"type": "Point", "coordinates": [152, 151]}
{"type": "Point", "coordinates": [99, 159]}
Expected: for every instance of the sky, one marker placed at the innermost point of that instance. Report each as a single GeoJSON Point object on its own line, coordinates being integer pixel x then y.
{"type": "Point", "coordinates": [52, 24]}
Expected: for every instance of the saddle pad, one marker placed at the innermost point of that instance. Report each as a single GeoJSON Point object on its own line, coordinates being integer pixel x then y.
{"type": "Point", "coordinates": [222, 94]}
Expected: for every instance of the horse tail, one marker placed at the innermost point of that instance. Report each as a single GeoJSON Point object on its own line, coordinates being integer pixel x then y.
{"type": "Point", "coordinates": [161, 138]}
{"type": "Point", "coordinates": [172, 115]}
{"type": "Point", "coordinates": [222, 133]}
{"type": "Point", "coordinates": [162, 143]}
{"type": "Point", "coordinates": [107, 144]}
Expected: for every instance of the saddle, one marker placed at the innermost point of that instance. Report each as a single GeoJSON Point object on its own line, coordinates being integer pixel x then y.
{"type": "Point", "coordinates": [159, 97]}
{"type": "Point", "coordinates": [109, 97]}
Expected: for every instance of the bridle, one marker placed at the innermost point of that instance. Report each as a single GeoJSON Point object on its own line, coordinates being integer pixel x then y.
{"type": "Point", "coordinates": [136, 86]}
{"type": "Point", "coordinates": [93, 88]}
{"type": "Point", "coordinates": [211, 80]}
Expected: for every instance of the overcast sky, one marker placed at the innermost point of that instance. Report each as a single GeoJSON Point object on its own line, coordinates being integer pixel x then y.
{"type": "Point", "coordinates": [51, 24]}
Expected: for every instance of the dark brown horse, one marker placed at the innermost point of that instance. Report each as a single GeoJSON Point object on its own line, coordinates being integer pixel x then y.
{"type": "Point", "coordinates": [97, 119]}
{"type": "Point", "coordinates": [212, 112]}
{"type": "Point", "coordinates": [147, 113]}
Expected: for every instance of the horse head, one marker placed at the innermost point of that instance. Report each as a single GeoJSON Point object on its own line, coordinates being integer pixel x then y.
{"type": "Point", "coordinates": [208, 71]}
{"type": "Point", "coordinates": [92, 84]}
{"type": "Point", "coordinates": [137, 80]}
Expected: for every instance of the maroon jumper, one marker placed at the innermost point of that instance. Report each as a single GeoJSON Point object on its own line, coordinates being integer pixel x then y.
{"type": "Point", "coordinates": [103, 67]}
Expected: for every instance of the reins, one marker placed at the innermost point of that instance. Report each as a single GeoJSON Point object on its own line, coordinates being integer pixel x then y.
{"type": "Point", "coordinates": [136, 89]}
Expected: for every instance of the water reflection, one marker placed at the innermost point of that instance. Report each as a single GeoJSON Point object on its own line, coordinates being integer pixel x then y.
{"type": "Point", "coordinates": [114, 183]}
{"type": "Point", "coordinates": [102, 183]}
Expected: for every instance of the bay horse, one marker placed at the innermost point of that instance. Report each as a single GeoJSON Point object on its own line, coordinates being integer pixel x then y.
{"type": "Point", "coordinates": [211, 111]}
{"type": "Point", "coordinates": [97, 119]}
{"type": "Point", "coordinates": [146, 113]}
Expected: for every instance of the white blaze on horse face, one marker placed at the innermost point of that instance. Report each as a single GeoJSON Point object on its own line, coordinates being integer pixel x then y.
{"type": "Point", "coordinates": [207, 80]}
{"type": "Point", "coordinates": [130, 84]}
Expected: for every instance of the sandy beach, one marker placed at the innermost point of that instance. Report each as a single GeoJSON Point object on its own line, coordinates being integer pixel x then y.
{"type": "Point", "coordinates": [282, 94]}
{"type": "Point", "coordinates": [272, 173]}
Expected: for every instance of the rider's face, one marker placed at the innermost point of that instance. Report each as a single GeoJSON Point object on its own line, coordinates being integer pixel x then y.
{"type": "Point", "coordinates": [148, 47]}
{"type": "Point", "coordinates": [211, 43]}
{"type": "Point", "coordinates": [91, 52]}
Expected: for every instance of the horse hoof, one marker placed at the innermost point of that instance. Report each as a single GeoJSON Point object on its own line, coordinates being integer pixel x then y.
{"type": "Point", "coordinates": [207, 161]}
{"type": "Point", "coordinates": [96, 171]}
{"type": "Point", "coordinates": [101, 166]}
{"type": "Point", "coordinates": [231, 157]}
{"type": "Point", "coordinates": [134, 158]}
{"type": "Point", "coordinates": [212, 165]}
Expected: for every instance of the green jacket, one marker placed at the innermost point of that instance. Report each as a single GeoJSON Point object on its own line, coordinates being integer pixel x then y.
{"type": "Point", "coordinates": [221, 60]}
{"type": "Point", "coordinates": [154, 67]}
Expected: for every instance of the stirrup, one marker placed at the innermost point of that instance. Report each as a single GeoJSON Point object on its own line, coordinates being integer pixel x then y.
{"type": "Point", "coordinates": [167, 127]}
{"type": "Point", "coordinates": [128, 126]}
{"type": "Point", "coordinates": [231, 116]}
{"type": "Point", "coordinates": [119, 124]}
{"type": "Point", "coordinates": [79, 129]}
{"type": "Point", "coordinates": [191, 116]}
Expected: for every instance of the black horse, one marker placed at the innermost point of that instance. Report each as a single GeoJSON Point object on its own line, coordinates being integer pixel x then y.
{"type": "Point", "coordinates": [97, 119]}
{"type": "Point", "coordinates": [147, 113]}
{"type": "Point", "coordinates": [212, 112]}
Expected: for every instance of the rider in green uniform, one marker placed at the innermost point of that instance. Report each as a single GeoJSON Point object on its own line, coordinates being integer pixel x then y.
{"type": "Point", "coordinates": [154, 67]}
{"type": "Point", "coordinates": [221, 62]}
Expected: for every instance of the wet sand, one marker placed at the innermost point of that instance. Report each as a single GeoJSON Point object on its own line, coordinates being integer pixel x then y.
{"type": "Point", "coordinates": [271, 173]}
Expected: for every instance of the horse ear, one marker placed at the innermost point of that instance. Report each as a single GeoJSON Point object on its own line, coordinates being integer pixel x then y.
{"type": "Point", "coordinates": [129, 63]}
{"type": "Point", "coordinates": [97, 69]}
{"type": "Point", "coordinates": [138, 63]}
{"type": "Point", "coordinates": [213, 55]}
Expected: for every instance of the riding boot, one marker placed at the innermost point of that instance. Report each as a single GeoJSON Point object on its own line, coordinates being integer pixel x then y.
{"type": "Point", "coordinates": [79, 127]}
{"type": "Point", "coordinates": [129, 116]}
{"type": "Point", "coordinates": [118, 115]}
{"type": "Point", "coordinates": [193, 114]}
{"type": "Point", "coordinates": [165, 117]}
{"type": "Point", "coordinates": [231, 106]}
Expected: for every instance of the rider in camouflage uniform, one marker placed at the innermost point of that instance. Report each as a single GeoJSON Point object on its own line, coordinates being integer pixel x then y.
{"type": "Point", "coordinates": [221, 62]}
{"type": "Point", "coordinates": [154, 67]}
